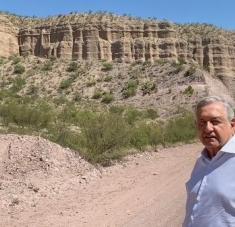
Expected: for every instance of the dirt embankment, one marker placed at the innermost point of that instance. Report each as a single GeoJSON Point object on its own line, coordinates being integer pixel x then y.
{"type": "Point", "coordinates": [43, 184]}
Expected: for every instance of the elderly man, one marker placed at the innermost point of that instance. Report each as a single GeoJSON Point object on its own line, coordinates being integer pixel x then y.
{"type": "Point", "coordinates": [211, 188]}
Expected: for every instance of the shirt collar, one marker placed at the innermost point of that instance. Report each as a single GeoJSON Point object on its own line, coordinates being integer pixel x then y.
{"type": "Point", "coordinates": [229, 147]}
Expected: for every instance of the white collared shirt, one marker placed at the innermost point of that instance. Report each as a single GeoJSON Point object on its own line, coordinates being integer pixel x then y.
{"type": "Point", "coordinates": [211, 190]}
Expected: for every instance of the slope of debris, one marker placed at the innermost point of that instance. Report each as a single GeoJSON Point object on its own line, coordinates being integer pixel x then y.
{"type": "Point", "coordinates": [32, 167]}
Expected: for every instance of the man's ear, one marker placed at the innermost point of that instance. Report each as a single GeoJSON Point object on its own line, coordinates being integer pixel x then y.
{"type": "Point", "coordinates": [233, 123]}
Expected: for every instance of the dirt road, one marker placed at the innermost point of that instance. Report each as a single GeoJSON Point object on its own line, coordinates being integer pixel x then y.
{"type": "Point", "coordinates": [147, 190]}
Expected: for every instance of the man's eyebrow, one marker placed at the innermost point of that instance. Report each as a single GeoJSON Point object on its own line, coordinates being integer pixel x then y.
{"type": "Point", "coordinates": [211, 119]}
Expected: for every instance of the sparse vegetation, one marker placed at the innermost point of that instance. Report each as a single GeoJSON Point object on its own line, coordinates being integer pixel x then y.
{"type": "Point", "coordinates": [65, 84]}
{"type": "Point", "coordinates": [130, 89]}
{"type": "Point", "coordinates": [189, 91]}
{"type": "Point", "coordinates": [18, 84]}
{"type": "Point", "coordinates": [107, 98]}
{"type": "Point", "coordinates": [15, 59]}
{"type": "Point", "coordinates": [90, 83]}
{"type": "Point", "coordinates": [148, 87]}
{"type": "Point", "coordinates": [107, 78]}
{"type": "Point", "coordinates": [47, 66]}
{"type": "Point", "coordinates": [97, 94]}
{"type": "Point", "coordinates": [73, 66]}
{"type": "Point", "coordinates": [19, 69]}
{"type": "Point", "coordinates": [107, 66]}
{"type": "Point", "coordinates": [101, 136]}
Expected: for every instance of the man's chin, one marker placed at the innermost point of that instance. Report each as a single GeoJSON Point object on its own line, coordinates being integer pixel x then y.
{"type": "Point", "coordinates": [211, 145]}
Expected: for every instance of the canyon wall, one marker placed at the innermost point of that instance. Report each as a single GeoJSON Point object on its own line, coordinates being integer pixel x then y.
{"type": "Point", "coordinates": [123, 41]}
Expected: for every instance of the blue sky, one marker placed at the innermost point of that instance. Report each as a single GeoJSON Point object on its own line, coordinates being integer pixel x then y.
{"type": "Point", "coordinates": [218, 12]}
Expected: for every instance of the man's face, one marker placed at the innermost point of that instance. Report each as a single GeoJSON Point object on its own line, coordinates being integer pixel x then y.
{"type": "Point", "coordinates": [214, 127]}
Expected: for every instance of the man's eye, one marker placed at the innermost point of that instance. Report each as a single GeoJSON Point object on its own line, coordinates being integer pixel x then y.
{"type": "Point", "coordinates": [202, 123]}
{"type": "Point", "coordinates": [215, 122]}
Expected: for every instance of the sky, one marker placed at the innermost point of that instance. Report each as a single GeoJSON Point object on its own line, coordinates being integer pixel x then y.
{"type": "Point", "coordinates": [217, 12]}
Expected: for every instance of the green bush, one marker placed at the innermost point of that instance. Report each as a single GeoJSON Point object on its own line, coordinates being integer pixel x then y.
{"type": "Point", "coordinates": [151, 113]}
{"type": "Point", "coordinates": [90, 83]}
{"type": "Point", "coordinates": [180, 129]}
{"type": "Point", "coordinates": [64, 84]}
{"type": "Point", "coordinates": [25, 115]}
{"type": "Point", "coordinates": [18, 84]}
{"type": "Point", "coordinates": [116, 110]}
{"type": "Point", "coordinates": [107, 78]}
{"type": "Point", "coordinates": [107, 98]}
{"type": "Point", "coordinates": [107, 66]}
{"type": "Point", "coordinates": [132, 115]}
{"type": "Point", "coordinates": [130, 89]}
{"type": "Point", "coordinates": [103, 136]}
{"type": "Point", "coordinates": [148, 87]}
{"type": "Point", "coordinates": [73, 66]}
{"type": "Point", "coordinates": [144, 135]}
{"type": "Point", "coordinates": [19, 69]}
{"type": "Point", "coordinates": [1, 61]}
{"type": "Point", "coordinates": [33, 90]}
{"type": "Point", "coordinates": [189, 91]}
{"type": "Point", "coordinates": [97, 95]}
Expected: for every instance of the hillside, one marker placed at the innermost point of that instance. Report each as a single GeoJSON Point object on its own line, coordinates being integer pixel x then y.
{"type": "Point", "coordinates": [107, 37]}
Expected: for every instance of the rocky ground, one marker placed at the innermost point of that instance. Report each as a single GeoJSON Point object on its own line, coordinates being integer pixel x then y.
{"type": "Point", "coordinates": [43, 184]}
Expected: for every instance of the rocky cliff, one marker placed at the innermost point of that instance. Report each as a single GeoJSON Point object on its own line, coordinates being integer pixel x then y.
{"type": "Point", "coordinates": [122, 39]}
{"type": "Point", "coordinates": [8, 37]}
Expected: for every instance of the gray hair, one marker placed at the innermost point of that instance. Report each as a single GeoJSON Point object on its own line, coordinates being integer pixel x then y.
{"type": "Point", "coordinates": [213, 99]}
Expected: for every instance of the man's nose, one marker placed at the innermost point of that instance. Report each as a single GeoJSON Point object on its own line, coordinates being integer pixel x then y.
{"type": "Point", "coordinates": [209, 127]}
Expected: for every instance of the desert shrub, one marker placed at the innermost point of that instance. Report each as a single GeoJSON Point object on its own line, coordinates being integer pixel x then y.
{"type": "Point", "coordinates": [19, 69]}
{"type": "Point", "coordinates": [107, 66]}
{"type": "Point", "coordinates": [18, 84]}
{"type": "Point", "coordinates": [144, 135]}
{"type": "Point", "coordinates": [107, 78]}
{"type": "Point", "coordinates": [25, 115]}
{"type": "Point", "coordinates": [1, 61]}
{"type": "Point", "coordinates": [90, 83]}
{"type": "Point", "coordinates": [189, 91]}
{"type": "Point", "coordinates": [180, 129]}
{"type": "Point", "coordinates": [151, 113]}
{"type": "Point", "coordinates": [102, 136]}
{"type": "Point", "coordinates": [107, 98]}
{"type": "Point", "coordinates": [131, 115]}
{"type": "Point", "coordinates": [130, 89]}
{"type": "Point", "coordinates": [32, 90]}
{"type": "Point", "coordinates": [62, 135]}
{"type": "Point", "coordinates": [148, 87]}
{"type": "Point", "coordinates": [116, 110]}
{"type": "Point", "coordinates": [74, 75]}
{"type": "Point", "coordinates": [64, 84]}
{"type": "Point", "coordinates": [97, 94]}
{"type": "Point", "coordinates": [73, 66]}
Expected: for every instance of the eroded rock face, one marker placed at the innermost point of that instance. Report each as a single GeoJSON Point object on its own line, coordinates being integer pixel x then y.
{"type": "Point", "coordinates": [123, 41]}
{"type": "Point", "coordinates": [8, 38]}
{"type": "Point", "coordinates": [143, 41]}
